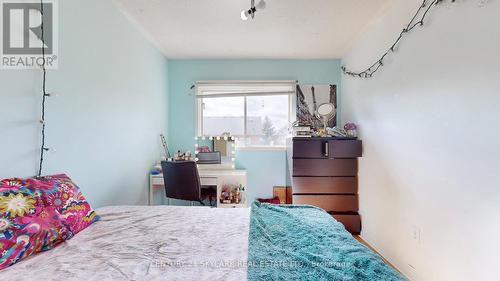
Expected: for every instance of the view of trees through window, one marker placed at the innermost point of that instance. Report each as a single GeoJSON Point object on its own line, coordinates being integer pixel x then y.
{"type": "Point", "coordinates": [256, 120]}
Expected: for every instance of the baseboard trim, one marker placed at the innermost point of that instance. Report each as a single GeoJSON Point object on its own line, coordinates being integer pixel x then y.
{"type": "Point", "coordinates": [360, 240]}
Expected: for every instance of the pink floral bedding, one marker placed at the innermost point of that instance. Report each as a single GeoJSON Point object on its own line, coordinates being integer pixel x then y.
{"type": "Point", "coordinates": [37, 215]}
{"type": "Point", "coordinates": [59, 192]}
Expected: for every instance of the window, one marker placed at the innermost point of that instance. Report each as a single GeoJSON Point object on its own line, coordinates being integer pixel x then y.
{"type": "Point", "coordinates": [257, 113]}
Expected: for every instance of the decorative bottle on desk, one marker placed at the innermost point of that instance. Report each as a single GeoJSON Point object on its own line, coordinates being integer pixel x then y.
{"type": "Point", "coordinates": [242, 194]}
{"type": "Point", "coordinates": [237, 196]}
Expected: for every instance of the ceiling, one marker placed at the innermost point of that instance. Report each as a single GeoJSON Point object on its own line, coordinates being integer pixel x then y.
{"type": "Point", "coordinates": [284, 29]}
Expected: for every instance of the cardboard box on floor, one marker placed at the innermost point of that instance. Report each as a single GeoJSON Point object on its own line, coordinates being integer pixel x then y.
{"type": "Point", "coordinates": [284, 193]}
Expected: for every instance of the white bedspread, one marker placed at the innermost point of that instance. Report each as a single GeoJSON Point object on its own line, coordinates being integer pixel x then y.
{"type": "Point", "coordinates": [148, 243]}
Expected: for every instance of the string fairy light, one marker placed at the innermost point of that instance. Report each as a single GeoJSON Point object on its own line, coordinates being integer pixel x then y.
{"type": "Point", "coordinates": [43, 149]}
{"type": "Point", "coordinates": [423, 11]}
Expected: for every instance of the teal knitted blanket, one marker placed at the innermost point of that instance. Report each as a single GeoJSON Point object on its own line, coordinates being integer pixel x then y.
{"type": "Point", "coordinates": [290, 242]}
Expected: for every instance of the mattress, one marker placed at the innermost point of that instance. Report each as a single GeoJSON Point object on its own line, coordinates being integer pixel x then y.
{"type": "Point", "coordinates": [268, 242]}
{"type": "Point", "coordinates": [148, 243]}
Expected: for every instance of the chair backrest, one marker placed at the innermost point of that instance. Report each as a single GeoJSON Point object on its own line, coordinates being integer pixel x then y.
{"type": "Point", "coordinates": [181, 180]}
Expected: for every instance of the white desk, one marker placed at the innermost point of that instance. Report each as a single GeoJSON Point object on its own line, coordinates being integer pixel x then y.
{"type": "Point", "coordinates": [210, 177]}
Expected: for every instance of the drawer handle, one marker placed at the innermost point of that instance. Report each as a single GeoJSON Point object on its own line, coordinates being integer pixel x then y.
{"type": "Point", "coordinates": [326, 149]}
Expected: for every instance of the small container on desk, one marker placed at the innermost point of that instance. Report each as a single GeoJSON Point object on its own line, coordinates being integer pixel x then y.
{"type": "Point", "coordinates": [232, 196]}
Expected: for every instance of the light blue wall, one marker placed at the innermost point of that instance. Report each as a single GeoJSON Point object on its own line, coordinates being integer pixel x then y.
{"type": "Point", "coordinates": [265, 169]}
{"type": "Point", "coordinates": [111, 108]}
{"type": "Point", "coordinates": [113, 89]}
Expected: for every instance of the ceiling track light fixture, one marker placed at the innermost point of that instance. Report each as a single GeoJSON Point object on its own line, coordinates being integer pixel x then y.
{"type": "Point", "coordinates": [250, 13]}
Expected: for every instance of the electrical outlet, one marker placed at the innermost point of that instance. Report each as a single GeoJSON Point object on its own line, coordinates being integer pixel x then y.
{"type": "Point", "coordinates": [416, 234]}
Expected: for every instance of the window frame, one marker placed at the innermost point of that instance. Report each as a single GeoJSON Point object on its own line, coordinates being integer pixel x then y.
{"type": "Point", "coordinates": [245, 147]}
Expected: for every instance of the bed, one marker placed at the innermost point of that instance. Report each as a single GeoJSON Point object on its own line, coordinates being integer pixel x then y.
{"type": "Point", "coordinates": [266, 242]}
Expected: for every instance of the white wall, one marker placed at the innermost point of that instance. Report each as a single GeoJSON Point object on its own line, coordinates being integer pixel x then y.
{"type": "Point", "coordinates": [430, 125]}
{"type": "Point", "coordinates": [111, 109]}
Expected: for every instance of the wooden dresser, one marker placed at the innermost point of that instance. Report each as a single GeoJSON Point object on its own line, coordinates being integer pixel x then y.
{"type": "Point", "coordinates": [325, 174]}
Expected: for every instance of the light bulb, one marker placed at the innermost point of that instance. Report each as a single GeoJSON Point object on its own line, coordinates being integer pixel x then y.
{"type": "Point", "coordinates": [261, 5]}
{"type": "Point", "coordinates": [50, 150]}
{"type": "Point", "coordinates": [482, 3]}
{"type": "Point", "coordinates": [244, 15]}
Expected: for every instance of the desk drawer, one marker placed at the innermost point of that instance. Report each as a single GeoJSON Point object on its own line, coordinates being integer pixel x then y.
{"type": "Point", "coordinates": [329, 203]}
{"type": "Point", "coordinates": [325, 185]}
{"type": "Point", "coordinates": [325, 167]}
{"type": "Point", "coordinates": [157, 181]}
{"type": "Point", "coordinates": [208, 181]}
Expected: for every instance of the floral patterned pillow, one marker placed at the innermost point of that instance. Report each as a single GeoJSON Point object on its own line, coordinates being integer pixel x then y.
{"type": "Point", "coordinates": [61, 193]}
{"type": "Point", "coordinates": [26, 225]}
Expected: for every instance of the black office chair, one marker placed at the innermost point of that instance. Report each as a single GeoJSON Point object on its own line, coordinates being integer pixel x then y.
{"type": "Point", "coordinates": [183, 182]}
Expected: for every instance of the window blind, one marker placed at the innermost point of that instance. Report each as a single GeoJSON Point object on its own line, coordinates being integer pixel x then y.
{"type": "Point", "coordinates": [212, 89]}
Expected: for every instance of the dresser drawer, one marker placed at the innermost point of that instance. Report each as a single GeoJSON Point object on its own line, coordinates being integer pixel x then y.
{"type": "Point", "coordinates": [324, 148]}
{"type": "Point", "coordinates": [325, 167]}
{"type": "Point", "coordinates": [325, 185]}
{"type": "Point", "coordinates": [351, 221]}
{"type": "Point", "coordinates": [329, 203]}
{"type": "Point", "coordinates": [310, 148]}
{"type": "Point", "coordinates": [345, 148]}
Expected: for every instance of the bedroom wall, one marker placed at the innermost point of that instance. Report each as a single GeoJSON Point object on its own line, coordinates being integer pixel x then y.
{"type": "Point", "coordinates": [429, 122]}
{"type": "Point", "coordinates": [265, 168]}
{"type": "Point", "coordinates": [106, 121]}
